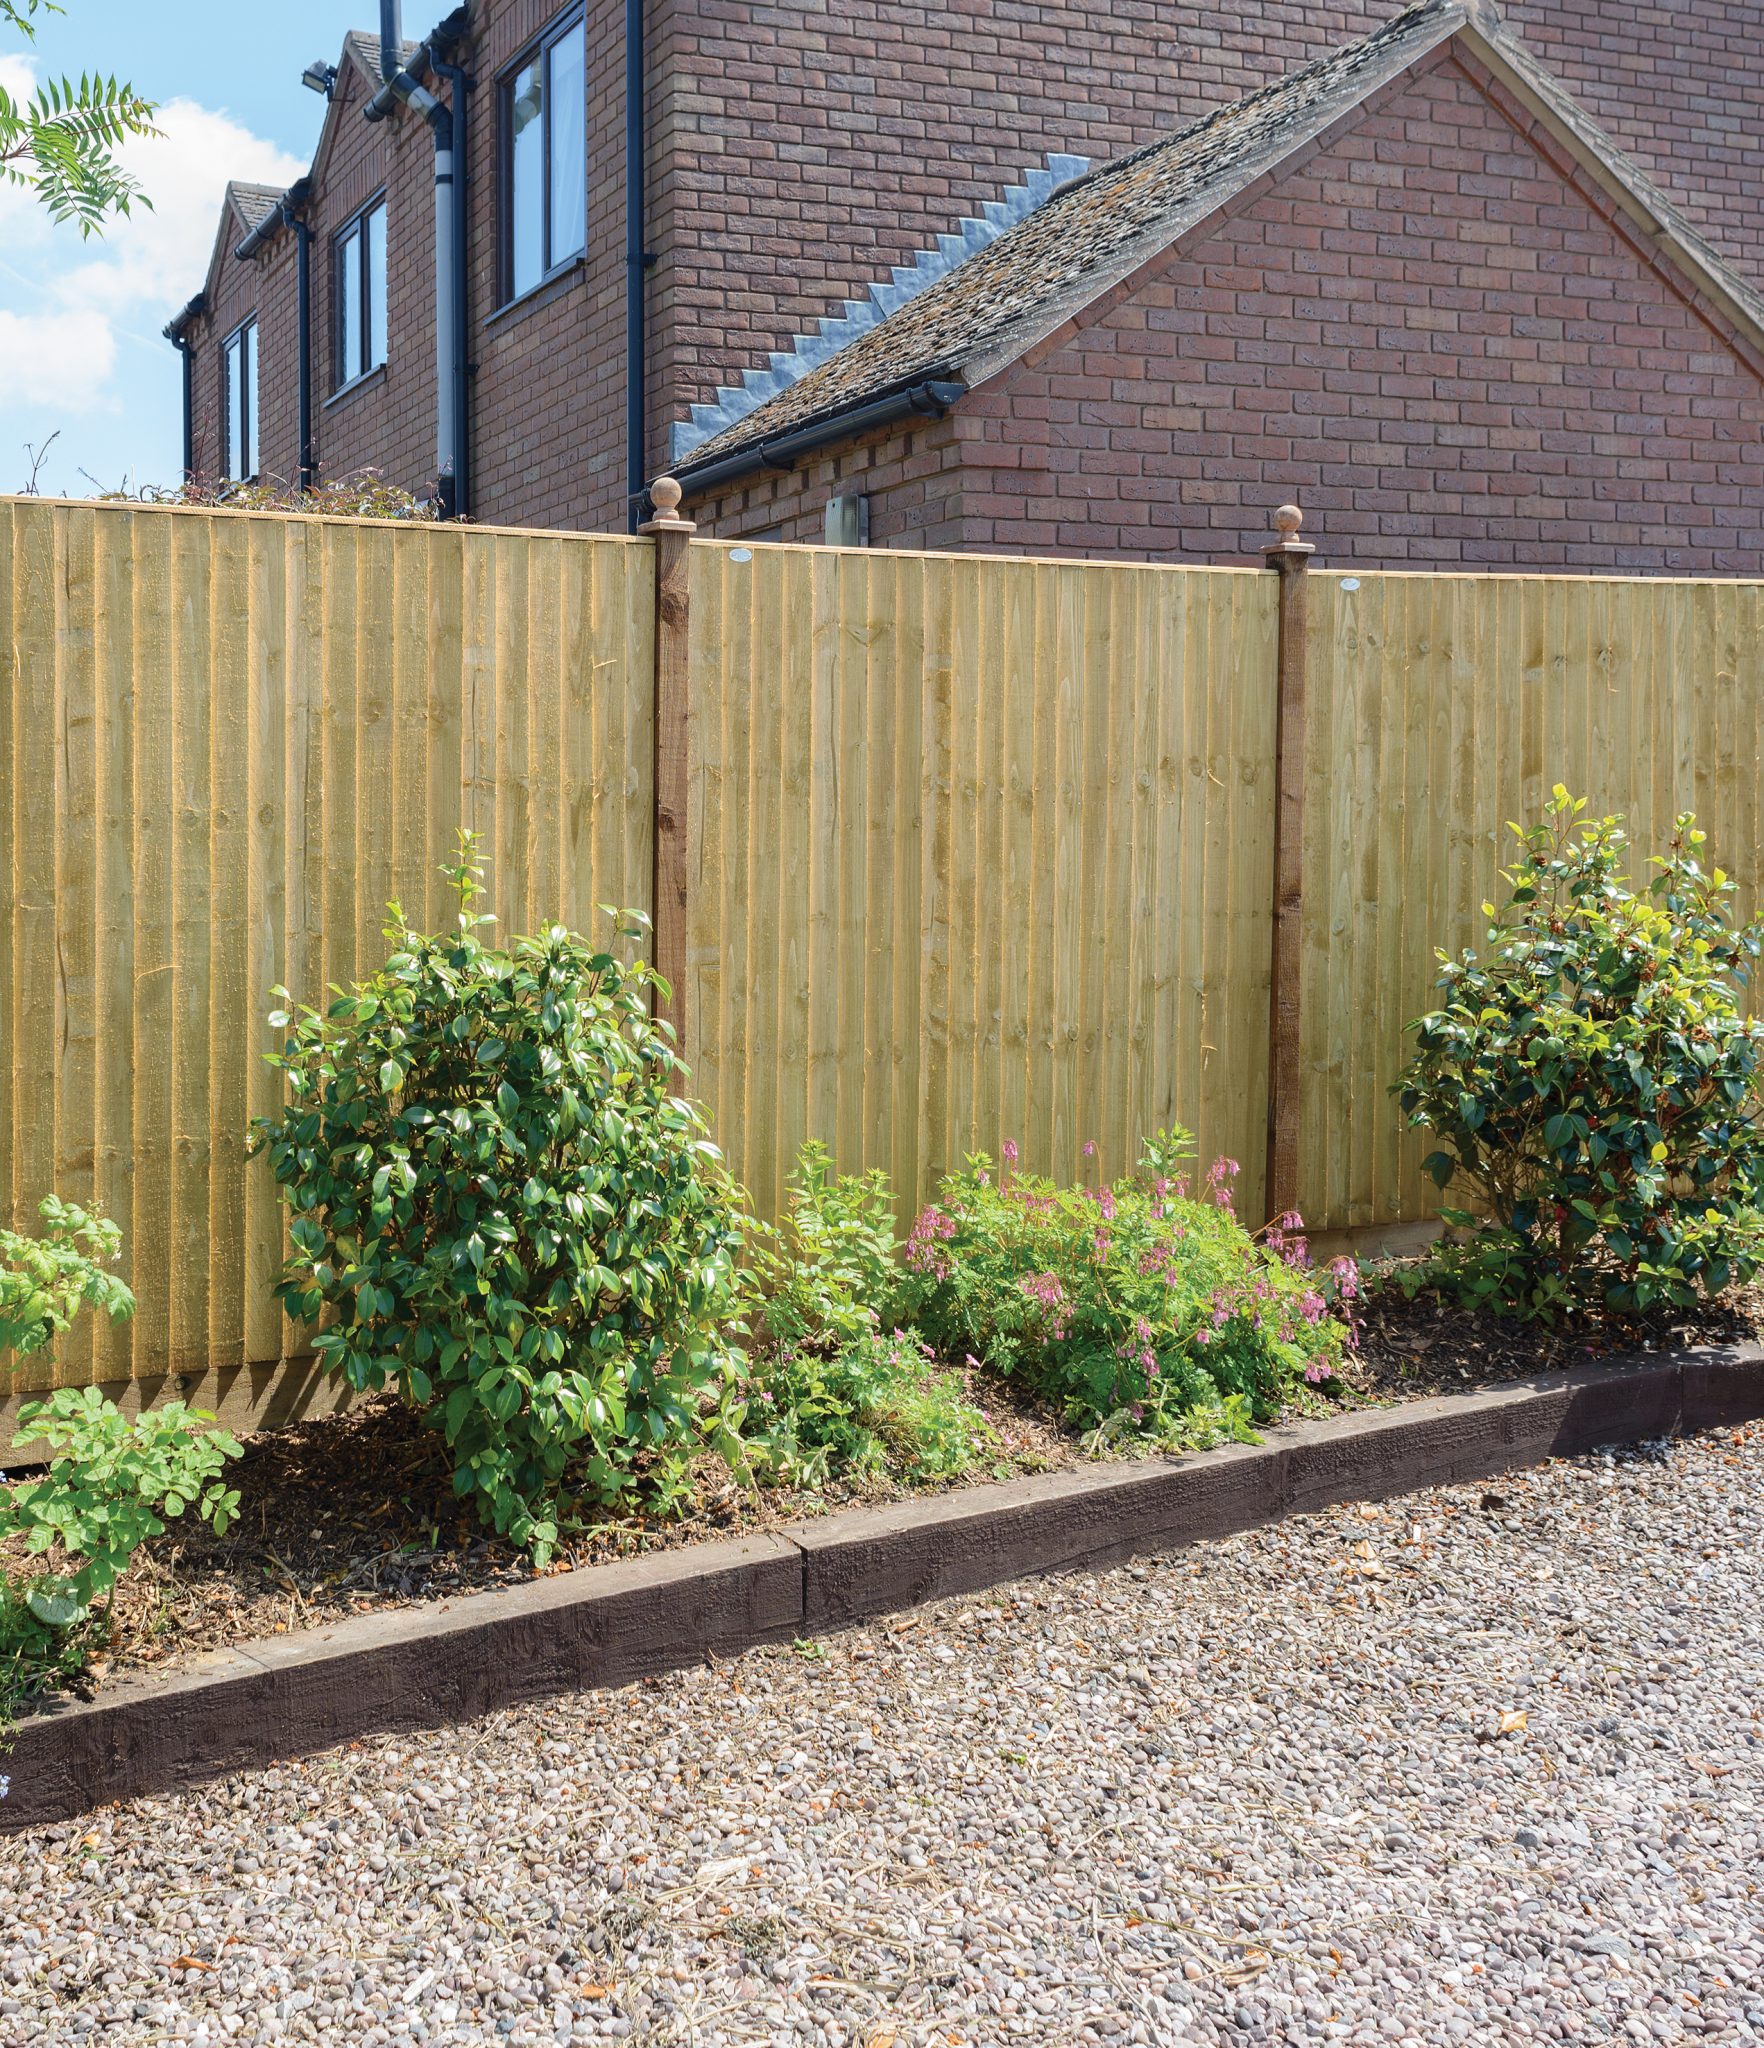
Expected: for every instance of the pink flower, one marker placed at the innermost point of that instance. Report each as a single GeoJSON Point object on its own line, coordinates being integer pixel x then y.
{"type": "Point", "coordinates": [1312, 1306]}
{"type": "Point", "coordinates": [1008, 1151]}
{"type": "Point", "coordinates": [1345, 1272]}
{"type": "Point", "coordinates": [1045, 1291]}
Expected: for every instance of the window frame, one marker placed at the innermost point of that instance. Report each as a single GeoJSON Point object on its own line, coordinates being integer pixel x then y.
{"type": "Point", "coordinates": [537, 49]}
{"type": "Point", "coordinates": [244, 340]}
{"type": "Point", "coordinates": [352, 240]}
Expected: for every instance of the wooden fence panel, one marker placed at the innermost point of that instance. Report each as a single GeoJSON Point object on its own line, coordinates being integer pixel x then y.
{"type": "Point", "coordinates": [981, 852]}
{"type": "Point", "coordinates": [1441, 708]}
{"type": "Point", "coordinates": [225, 741]}
{"type": "Point", "coordinates": [980, 848]}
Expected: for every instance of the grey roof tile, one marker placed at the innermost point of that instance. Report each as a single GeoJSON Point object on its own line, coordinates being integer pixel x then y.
{"type": "Point", "coordinates": [364, 46]}
{"type": "Point", "coordinates": [253, 203]}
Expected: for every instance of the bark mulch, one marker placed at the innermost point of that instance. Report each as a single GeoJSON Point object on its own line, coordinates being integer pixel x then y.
{"type": "Point", "coordinates": [1411, 1348]}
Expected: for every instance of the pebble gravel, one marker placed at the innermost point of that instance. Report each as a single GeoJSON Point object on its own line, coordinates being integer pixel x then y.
{"type": "Point", "coordinates": [1484, 1764]}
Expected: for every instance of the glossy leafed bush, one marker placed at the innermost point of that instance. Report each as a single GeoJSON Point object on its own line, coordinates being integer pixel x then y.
{"type": "Point", "coordinates": [501, 1207]}
{"type": "Point", "coordinates": [1593, 1081]}
{"type": "Point", "coordinates": [1142, 1308]}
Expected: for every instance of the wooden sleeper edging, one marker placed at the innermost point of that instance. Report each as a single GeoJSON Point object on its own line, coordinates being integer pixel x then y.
{"type": "Point", "coordinates": [428, 1666]}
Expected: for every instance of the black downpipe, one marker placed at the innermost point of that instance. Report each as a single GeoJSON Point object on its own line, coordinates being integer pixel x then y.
{"type": "Point", "coordinates": [455, 75]}
{"type": "Point", "coordinates": [391, 38]}
{"type": "Point", "coordinates": [303, 324]}
{"type": "Point", "coordinates": [636, 266]}
{"type": "Point", "coordinates": [182, 345]}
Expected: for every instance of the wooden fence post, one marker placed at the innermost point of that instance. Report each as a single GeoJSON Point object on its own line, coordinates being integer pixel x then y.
{"type": "Point", "coordinates": [672, 536]}
{"type": "Point", "coordinates": [1291, 557]}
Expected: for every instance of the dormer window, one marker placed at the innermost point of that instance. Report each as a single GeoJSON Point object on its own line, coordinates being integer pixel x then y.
{"type": "Point", "coordinates": [543, 104]}
{"type": "Point", "coordinates": [361, 294]}
{"type": "Point", "coordinates": [239, 402]}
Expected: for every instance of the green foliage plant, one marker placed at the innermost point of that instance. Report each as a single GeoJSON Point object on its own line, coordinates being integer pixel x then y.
{"type": "Point", "coordinates": [109, 1481]}
{"type": "Point", "coordinates": [1144, 1310]}
{"type": "Point", "coordinates": [1593, 1081]}
{"type": "Point", "coordinates": [833, 1389]}
{"type": "Point", "coordinates": [500, 1207]}
{"type": "Point", "coordinates": [61, 142]}
{"type": "Point", "coordinates": [46, 1280]}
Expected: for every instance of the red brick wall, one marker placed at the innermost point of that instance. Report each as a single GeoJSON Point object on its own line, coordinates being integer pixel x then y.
{"type": "Point", "coordinates": [1680, 84]}
{"type": "Point", "coordinates": [913, 477]}
{"type": "Point", "coordinates": [264, 288]}
{"type": "Point", "coordinates": [815, 150]}
{"type": "Point", "coordinates": [1428, 336]}
{"type": "Point", "coordinates": [549, 390]}
{"type": "Point", "coordinates": [387, 421]}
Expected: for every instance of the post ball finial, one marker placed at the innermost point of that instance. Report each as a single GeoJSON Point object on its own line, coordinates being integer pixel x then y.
{"type": "Point", "coordinates": [665, 495]}
{"type": "Point", "coordinates": [1286, 547]}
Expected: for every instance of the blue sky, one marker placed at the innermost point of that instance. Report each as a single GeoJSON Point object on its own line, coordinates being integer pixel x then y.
{"type": "Point", "coordinates": [80, 320]}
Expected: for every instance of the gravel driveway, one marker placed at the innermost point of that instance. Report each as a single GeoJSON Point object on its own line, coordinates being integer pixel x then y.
{"type": "Point", "coordinates": [1484, 1765]}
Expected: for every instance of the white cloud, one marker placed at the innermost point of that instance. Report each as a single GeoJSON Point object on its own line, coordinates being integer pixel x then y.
{"type": "Point", "coordinates": [152, 261]}
{"type": "Point", "coordinates": [61, 360]}
{"type": "Point", "coordinates": [68, 305]}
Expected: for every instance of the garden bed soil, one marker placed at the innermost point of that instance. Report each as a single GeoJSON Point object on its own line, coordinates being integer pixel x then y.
{"type": "Point", "coordinates": [350, 1514]}
{"type": "Point", "coordinates": [1410, 1349]}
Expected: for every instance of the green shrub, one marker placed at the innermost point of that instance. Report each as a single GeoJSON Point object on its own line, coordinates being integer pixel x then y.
{"type": "Point", "coordinates": [501, 1208]}
{"type": "Point", "coordinates": [109, 1480]}
{"type": "Point", "coordinates": [45, 1281]}
{"type": "Point", "coordinates": [832, 1390]}
{"type": "Point", "coordinates": [830, 1273]}
{"type": "Point", "coordinates": [1142, 1309]}
{"type": "Point", "coordinates": [1593, 1082]}
{"type": "Point", "coordinates": [869, 1406]}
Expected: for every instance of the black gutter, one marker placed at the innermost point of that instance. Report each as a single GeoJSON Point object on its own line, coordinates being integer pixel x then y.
{"type": "Point", "coordinates": [930, 399]}
{"type": "Point", "coordinates": [280, 215]}
{"type": "Point", "coordinates": [636, 267]}
{"type": "Point", "coordinates": [396, 89]}
{"type": "Point", "coordinates": [174, 333]}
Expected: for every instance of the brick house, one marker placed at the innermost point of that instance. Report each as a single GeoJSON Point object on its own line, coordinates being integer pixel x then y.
{"type": "Point", "coordinates": [807, 177]}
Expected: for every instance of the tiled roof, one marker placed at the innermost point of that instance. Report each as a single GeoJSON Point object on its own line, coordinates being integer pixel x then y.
{"type": "Point", "coordinates": [253, 203]}
{"type": "Point", "coordinates": [364, 46]}
{"type": "Point", "coordinates": [884, 296]}
{"type": "Point", "coordinates": [1096, 228]}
